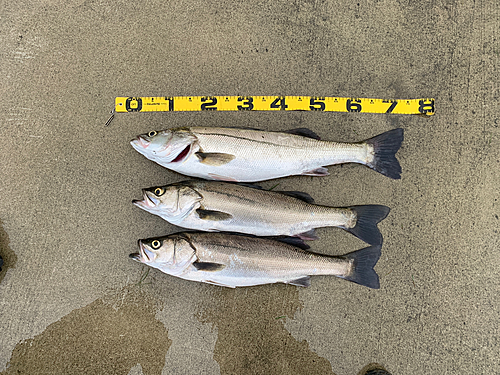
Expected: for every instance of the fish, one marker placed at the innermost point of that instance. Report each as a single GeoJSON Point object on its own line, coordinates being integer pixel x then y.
{"type": "Point", "coordinates": [251, 155]}
{"type": "Point", "coordinates": [231, 260]}
{"type": "Point", "coordinates": [247, 208]}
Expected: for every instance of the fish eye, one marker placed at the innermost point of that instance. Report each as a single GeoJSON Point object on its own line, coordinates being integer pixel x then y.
{"type": "Point", "coordinates": [155, 244]}
{"type": "Point", "coordinates": [159, 191]}
{"type": "Point", "coordinates": [152, 133]}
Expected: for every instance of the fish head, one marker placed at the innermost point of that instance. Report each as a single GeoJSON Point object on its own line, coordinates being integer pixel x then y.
{"type": "Point", "coordinates": [171, 254]}
{"type": "Point", "coordinates": [171, 201]}
{"type": "Point", "coordinates": [167, 146]}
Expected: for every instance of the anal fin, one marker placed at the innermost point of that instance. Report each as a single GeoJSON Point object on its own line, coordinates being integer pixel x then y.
{"type": "Point", "coordinates": [310, 235]}
{"type": "Point", "coordinates": [302, 281]}
{"type": "Point", "coordinates": [321, 171]}
{"type": "Point", "coordinates": [217, 177]}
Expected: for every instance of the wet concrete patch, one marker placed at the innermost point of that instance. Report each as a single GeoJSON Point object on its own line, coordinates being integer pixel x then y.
{"type": "Point", "coordinates": [252, 338]}
{"type": "Point", "coordinates": [108, 336]}
{"type": "Point", "coordinates": [8, 256]}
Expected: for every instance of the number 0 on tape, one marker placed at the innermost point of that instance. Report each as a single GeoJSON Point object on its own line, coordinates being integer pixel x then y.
{"type": "Point", "coordinates": [274, 103]}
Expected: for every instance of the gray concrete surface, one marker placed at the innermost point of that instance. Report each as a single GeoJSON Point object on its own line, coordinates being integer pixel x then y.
{"type": "Point", "coordinates": [71, 300]}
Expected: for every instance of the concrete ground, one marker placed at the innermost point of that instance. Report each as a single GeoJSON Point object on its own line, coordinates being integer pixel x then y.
{"type": "Point", "coordinates": [73, 302]}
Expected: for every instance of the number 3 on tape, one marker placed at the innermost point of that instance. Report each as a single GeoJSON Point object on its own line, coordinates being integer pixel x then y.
{"type": "Point", "coordinates": [274, 103]}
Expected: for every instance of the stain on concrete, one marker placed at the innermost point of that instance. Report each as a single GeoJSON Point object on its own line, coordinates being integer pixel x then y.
{"type": "Point", "coordinates": [8, 256]}
{"type": "Point", "coordinates": [108, 336]}
{"type": "Point", "coordinates": [252, 338]}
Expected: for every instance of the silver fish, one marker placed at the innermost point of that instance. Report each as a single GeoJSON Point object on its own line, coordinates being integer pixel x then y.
{"type": "Point", "coordinates": [221, 206]}
{"type": "Point", "coordinates": [232, 154]}
{"type": "Point", "coordinates": [235, 260]}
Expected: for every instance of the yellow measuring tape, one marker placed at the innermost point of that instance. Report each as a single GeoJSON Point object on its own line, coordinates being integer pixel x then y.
{"type": "Point", "coordinates": [274, 103]}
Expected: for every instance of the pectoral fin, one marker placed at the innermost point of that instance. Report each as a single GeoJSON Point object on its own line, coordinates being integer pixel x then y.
{"type": "Point", "coordinates": [208, 267]}
{"type": "Point", "coordinates": [213, 215]}
{"type": "Point", "coordinates": [214, 158]}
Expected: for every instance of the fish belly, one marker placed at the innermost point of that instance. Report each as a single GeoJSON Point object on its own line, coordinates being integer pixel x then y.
{"type": "Point", "coordinates": [233, 279]}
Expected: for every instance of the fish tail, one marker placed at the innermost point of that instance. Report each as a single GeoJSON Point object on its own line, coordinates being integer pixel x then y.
{"type": "Point", "coordinates": [366, 222]}
{"type": "Point", "coordinates": [385, 146]}
{"type": "Point", "coordinates": [362, 271]}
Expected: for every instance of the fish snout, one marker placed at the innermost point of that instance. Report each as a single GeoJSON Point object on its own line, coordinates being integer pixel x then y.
{"type": "Point", "coordinates": [138, 203]}
{"type": "Point", "coordinates": [140, 142]}
{"type": "Point", "coordinates": [135, 256]}
{"type": "Point", "coordinates": [149, 201]}
{"type": "Point", "coordinates": [142, 255]}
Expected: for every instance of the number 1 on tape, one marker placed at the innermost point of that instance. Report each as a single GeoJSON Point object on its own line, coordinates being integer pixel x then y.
{"type": "Point", "coordinates": [274, 103]}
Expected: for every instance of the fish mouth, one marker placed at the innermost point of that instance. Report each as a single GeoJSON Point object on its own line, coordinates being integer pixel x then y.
{"type": "Point", "coordinates": [140, 143]}
{"type": "Point", "coordinates": [149, 201]}
{"type": "Point", "coordinates": [135, 256]}
{"type": "Point", "coordinates": [143, 251]}
{"type": "Point", "coordinates": [183, 154]}
{"type": "Point", "coordinates": [142, 255]}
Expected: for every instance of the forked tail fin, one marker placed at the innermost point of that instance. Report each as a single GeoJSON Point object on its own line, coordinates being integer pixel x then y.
{"type": "Point", "coordinates": [366, 223]}
{"type": "Point", "coordinates": [385, 146]}
{"type": "Point", "coordinates": [362, 269]}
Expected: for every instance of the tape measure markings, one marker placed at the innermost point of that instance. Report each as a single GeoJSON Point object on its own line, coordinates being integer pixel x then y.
{"type": "Point", "coordinates": [273, 103]}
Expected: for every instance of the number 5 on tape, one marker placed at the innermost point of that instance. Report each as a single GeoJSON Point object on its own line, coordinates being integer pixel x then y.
{"type": "Point", "coordinates": [274, 103]}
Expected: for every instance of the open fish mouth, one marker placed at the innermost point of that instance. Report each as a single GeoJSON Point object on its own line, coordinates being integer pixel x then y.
{"type": "Point", "coordinates": [148, 202]}
{"type": "Point", "coordinates": [142, 255]}
{"type": "Point", "coordinates": [135, 256]}
{"type": "Point", "coordinates": [140, 143]}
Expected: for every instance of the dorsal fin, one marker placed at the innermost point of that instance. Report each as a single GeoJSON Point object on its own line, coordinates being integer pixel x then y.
{"type": "Point", "coordinates": [304, 132]}
{"type": "Point", "coordinates": [294, 241]}
{"type": "Point", "coordinates": [243, 128]}
{"type": "Point", "coordinates": [299, 195]}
